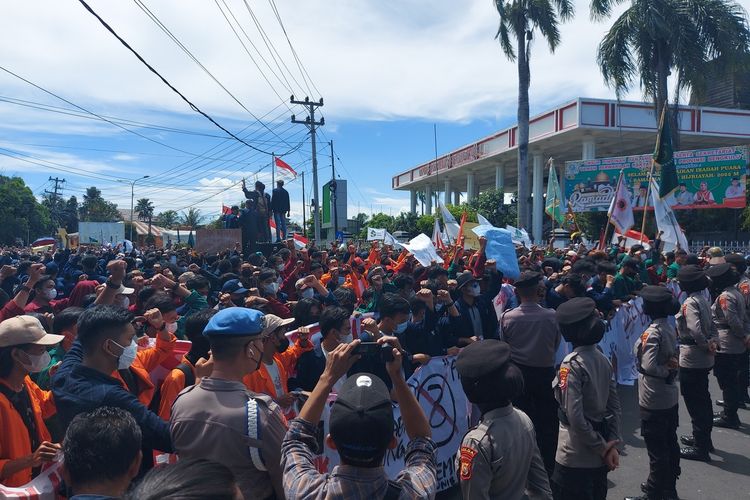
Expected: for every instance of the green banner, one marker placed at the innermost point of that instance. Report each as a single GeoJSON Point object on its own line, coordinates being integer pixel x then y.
{"type": "Point", "coordinates": [708, 178]}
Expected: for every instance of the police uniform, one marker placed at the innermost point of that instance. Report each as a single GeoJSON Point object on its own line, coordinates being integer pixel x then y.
{"type": "Point", "coordinates": [697, 333]}
{"type": "Point", "coordinates": [744, 287]}
{"type": "Point", "coordinates": [589, 406]}
{"type": "Point", "coordinates": [498, 458]}
{"type": "Point", "coordinates": [658, 394]}
{"type": "Point", "coordinates": [532, 333]}
{"type": "Point", "coordinates": [221, 420]}
{"type": "Point", "coordinates": [728, 312]}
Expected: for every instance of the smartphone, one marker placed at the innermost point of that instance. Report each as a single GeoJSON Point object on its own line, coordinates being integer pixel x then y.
{"type": "Point", "coordinates": [367, 349]}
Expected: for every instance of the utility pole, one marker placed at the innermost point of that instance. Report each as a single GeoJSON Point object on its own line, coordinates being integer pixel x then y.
{"type": "Point", "coordinates": [311, 124]}
{"type": "Point", "coordinates": [333, 187]}
{"type": "Point", "coordinates": [55, 195]}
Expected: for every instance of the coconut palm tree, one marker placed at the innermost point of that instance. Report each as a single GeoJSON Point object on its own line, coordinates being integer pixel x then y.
{"type": "Point", "coordinates": [519, 19]}
{"type": "Point", "coordinates": [192, 218]}
{"type": "Point", "coordinates": [654, 39]}
{"type": "Point", "coordinates": [167, 219]}
{"type": "Point", "coordinates": [145, 210]}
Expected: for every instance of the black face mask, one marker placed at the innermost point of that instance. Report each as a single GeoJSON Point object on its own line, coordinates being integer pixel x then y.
{"type": "Point", "coordinates": [247, 273]}
{"type": "Point", "coordinates": [283, 345]}
{"type": "Point", "coordinates": [239, 302]}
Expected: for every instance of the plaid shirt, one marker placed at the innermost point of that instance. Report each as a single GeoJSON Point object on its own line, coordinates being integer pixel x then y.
{"type": "Point", "coordinates": [418, 480]}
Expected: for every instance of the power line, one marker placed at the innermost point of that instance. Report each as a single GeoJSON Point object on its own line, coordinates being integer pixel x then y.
{"type": "Point", "coordinates": [166, 82]}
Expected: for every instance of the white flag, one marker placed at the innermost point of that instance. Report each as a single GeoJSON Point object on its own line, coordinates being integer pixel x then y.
{"type": "Point", "coordinates": [482, 221]}
{"type": "Point", "coordinates": [391, 240]}
{"type": "Point", "coordinates": [666, 220]}
{"type": "Point", "coordinates": [519, 236]}
{"type": "Point", "coordinates": [375, 234]}
{"type": "Point", "coordinates": [451, 226]}
{"type": "Point", "coordinates": [621, 210]}
{"type": "Point", "coordinates": [423, 250]}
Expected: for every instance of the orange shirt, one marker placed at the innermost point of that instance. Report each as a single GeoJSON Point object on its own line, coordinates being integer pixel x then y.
{"type": "Point", "coordinates": [14, 440]}
{"type": "Point", "coordinates": [145, 362]}
{"type": "Point", "coordinates": [260, 380]}
{"type": "Point", "coordinates": [173, 384]}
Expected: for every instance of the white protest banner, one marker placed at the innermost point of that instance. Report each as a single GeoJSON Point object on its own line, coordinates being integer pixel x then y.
{"type": "Point", "coordinates": [42, 487]}
{"type": "Point", "coordinates": [375, 234]}
{"type": "Point", "coordinates": [438, 389]}
{"type": "Point", "coordinates": [519, 236]}
{"type": "Point", "coordinates": [423, 250]}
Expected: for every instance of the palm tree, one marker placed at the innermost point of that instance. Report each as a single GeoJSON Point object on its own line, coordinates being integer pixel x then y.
{"type": "Point", "coordinates": [654, 38]}
{"type": "Point", "coordinates": [144, 208]}
{"type": "Point", "coordinates": [167, 219]}
{"type": "Point", "coordinates": [519, 19]}
{"type": "Point", "coordinates": [192, 218]}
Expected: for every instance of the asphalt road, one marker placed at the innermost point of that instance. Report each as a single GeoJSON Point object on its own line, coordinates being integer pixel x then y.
{"type": "Point", "coordinates": [727, 477]}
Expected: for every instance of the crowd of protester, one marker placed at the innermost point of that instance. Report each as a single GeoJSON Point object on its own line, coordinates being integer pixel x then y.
{"type": "Point", "coordinates": [84, 333]}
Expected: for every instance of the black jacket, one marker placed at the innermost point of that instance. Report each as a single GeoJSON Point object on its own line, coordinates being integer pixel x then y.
{"type": "Point", "coordinates": [280, 200]}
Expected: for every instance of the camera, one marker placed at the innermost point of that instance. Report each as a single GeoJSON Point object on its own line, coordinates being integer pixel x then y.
{"type": "Point", "coordinates": [373, 349]}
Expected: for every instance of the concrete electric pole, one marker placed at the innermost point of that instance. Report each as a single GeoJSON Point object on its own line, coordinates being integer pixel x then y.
{"type": "Point", "coordinates": [311, 124]}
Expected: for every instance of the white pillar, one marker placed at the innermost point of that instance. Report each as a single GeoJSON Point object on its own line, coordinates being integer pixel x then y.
{"type": "Point", "coordinates": [470, 186]}
{"type": "Point", "coordinates": [499, 177]}
{"type": "Point", "coordinates": [428, 199]}
{"type": "Point", "coordinates": [588, 150]}
{"type": "Point", "coordinates": [447, 193]}
{"type": "Point", "coordinates": [456, 197]}
{"type": "Point", "coordinates": [413, 200]}
{"type": "Point", "coordinates": [537, 188]}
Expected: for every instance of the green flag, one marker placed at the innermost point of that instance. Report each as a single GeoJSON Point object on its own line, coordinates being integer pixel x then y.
{"type": "Point", "coordinates": [554, 197]}
{"type": "Point", "coordinates": [664, 157]}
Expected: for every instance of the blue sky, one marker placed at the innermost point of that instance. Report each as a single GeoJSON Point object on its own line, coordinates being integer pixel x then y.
{"type": "Point", "coordinates": [387, 71]}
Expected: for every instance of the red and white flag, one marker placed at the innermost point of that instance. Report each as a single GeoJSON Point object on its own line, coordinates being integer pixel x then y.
{"type": "Point", "coordinates": [437, 236]}
{"type": "Point", "coordinates": [284, 169]}
{"type": "Point", "coordinates": [621, 210]}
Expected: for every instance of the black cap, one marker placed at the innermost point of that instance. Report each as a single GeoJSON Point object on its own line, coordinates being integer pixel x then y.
{"type": "Point", "coordinates": [574, 310]}
{"type": "Point", "coordinates": [464, 278]}
{"type": "Point", "coordinates": [690, 273]}
{"type": "Point", "coordinates": [363, 404]}
{"type": "Point", "coordinates": [719, 270]}
{"type": "Point", "coordinates": [528, 279]}
{"type": "Point", "coordinates": [482, 358]}
{"type": "Point", "coordinates": [551, 262]}
{"type": "Point", "coordinates": [735, 259]}
{"type": "Point", "coordinates": [656, 294]}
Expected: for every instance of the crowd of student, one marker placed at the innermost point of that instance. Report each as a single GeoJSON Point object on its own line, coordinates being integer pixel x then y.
{"type": "Point", "coordinates": [85, 337]}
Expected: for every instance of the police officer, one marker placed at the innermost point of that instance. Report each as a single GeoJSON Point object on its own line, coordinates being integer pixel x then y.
{"type": "Point", "coordinates": [498, 458]}
{"type": "Point", "coordinates": [740, 264]}
{"type": "Point", "coordinates": [533, 335]}
{"type": "Point", "coordinates": [219, 419]}
{"type": "Point", "coordinates": [697, 334]}
{"type": "Point", "coordinates": [589, 407]}
{"type": "Point", "coordinates": [657, 394]}
{"type": "Point", "coordinates": [728, 312]}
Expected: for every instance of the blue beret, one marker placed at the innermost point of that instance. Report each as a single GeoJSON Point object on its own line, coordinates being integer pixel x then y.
{"type": "Point", "coordinates": [235, 322]}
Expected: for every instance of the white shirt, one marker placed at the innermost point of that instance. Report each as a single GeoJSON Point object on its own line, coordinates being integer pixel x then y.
{"type": "Point", "coordinates": [273, 371]}
{"type": "Point", "coordinates": [340, 381]}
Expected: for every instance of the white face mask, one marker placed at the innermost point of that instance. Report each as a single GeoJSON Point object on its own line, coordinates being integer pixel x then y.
{"type": "Point", "coordinates": [271, 288]}
{"type": "Point", "coordinates": [128, 355]}
{"type": "Point", "coordinates": [474, 290]}
{"type": "Point", "coordinates": [51, 294]}
{"type": "Point", "coordinates": [307, 293]}
{"type": "Point", "coordinates": [280, 267]}
{"type": "Point", "coordinates": [37, 362]}
{"type": "Point", "coordinates": [172, 327]}
{"type": "Point", "coordinates": [122, 301]}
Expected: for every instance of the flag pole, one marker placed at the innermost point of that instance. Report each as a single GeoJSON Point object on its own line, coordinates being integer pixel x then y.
{"type": "Point", "coordinates": [651, 172]}
{"type": "Point", "coordinates": [612, 209]}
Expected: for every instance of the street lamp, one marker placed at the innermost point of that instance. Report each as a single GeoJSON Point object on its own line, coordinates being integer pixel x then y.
{"type": "Point", "coordinates": [132, 198]}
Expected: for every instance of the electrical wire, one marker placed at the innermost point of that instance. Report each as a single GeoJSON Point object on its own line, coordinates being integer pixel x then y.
{"type": "Point", "coordinates": [166, 82]}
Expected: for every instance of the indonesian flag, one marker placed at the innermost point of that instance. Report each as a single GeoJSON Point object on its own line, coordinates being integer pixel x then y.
{"type": "Point", "coordinates": [621, 210]}
{"type": "Point", "coordinates": [284, 169]}
{"type": "Point", "coordinates": [225, 210]}
{"type": "Point", "coordinates": [437, 236]}
{"type": "Point", "coordinates": [300, 241]}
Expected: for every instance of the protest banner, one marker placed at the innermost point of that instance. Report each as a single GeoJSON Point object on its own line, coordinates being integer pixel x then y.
{"type": "Point", "coordinates": [438, 390]}
{"type": "Point", "coordinates": [423, 250]}
{"type": "Point", "coordinates": [375, 234]}
{"type": "Point", "coordinates": [709, 178]}
{"type": "Point", "coordinates": [101, 233]}
{"type": "Point", "coordinates": [215, 240]}
{"type": "Point", "coordinates": [43, 487]}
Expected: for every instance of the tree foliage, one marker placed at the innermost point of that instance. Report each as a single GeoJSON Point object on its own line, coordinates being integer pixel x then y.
{"type": "Point", "coordinates": [145, 209]}
{"type": "Point", "coordinates": [192, 218]}
{"type": "Point", "coordinates": [62, 213]}
{"type": "Point", "coordinates": [96, 209]}
{"type": "Point", "coordinates": [167, 219]}
{"type": "Point", "coordinates": [22, 216]}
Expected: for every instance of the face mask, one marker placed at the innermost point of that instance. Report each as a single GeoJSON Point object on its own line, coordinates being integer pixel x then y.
{"type": "Point", "coordinates": [590, 281]}
{"type": "Point", "coordinates": [128, 355]}
{"type": "Point", "coordinates": [474, 290]}
{"type": "Point", "coordinates": [307, 293]}
{"type": "Point", "coordinates": [283, 345]}
{"type": "Point", "coordinates": [123, 301]}
{"type": "Point", "coordinates": [50, 294]}
{"type": "Point", "coordinates": [280, 267]}
{"type": "Point", "coordinates": [172, 327]}
{"type": "Point", "coordinates": [342, 280]}
{"type": "Point", "coordinates": [401, 327]}
{"type": "Point", "coordinates": [251, 354]}
{"type": "Point", "coordinates": [37, 362]}
{"type": "Point", "coordinates": [271, 288]}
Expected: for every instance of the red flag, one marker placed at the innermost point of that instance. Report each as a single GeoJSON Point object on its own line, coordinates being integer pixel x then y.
{"type": "Point", "coordinates": [225, 210]}
{"type": "Point", "coordinates": [285, 169]}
